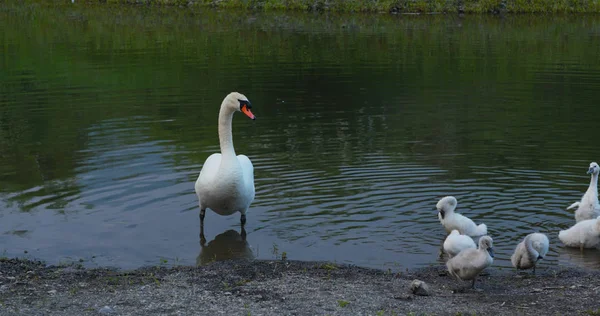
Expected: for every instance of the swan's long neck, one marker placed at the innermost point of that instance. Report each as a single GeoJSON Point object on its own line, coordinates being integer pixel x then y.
{"type": "Point", "coordinates": [594, 184]}
{"type": "Point", "coordinates": [225, 138]}
{"type": "Point", "coordinates": [533, 254]}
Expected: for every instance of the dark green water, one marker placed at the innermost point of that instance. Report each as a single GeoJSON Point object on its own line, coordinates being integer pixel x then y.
{"type": "Point", "coordinates": [364, 122]}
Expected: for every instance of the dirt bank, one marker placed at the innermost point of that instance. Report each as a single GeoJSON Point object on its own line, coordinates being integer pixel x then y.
{"type": "Point", "coordinates": [286, 288]}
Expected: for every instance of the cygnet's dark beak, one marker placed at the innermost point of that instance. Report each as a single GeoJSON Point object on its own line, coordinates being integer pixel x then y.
{"type": "Point", "coordinates": [540, 257]}
{"type": "Point", "coordinates": [442, 212]}
{"type": "Point", "coordinates": [491, 251]}
{"type": "Point", "coordinates": [590, 171]}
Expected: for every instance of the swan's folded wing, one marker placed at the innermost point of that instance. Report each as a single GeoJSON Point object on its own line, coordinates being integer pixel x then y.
{"type": "Point", "coordinates": [572, 206]}
{"type": "Point", "coordinates": [248, 170]}
{"type": "Point", "coordinates": [209, 168]}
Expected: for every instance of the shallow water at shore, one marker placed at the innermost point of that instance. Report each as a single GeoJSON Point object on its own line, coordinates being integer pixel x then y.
{"type": "Point", "coordinates": [364, 122]}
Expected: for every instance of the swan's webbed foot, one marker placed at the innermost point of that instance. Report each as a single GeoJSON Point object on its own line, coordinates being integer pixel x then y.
{"type": "Point", "coordinates": [243, 219]}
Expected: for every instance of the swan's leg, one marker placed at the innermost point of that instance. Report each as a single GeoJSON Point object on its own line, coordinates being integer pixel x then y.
{"type": "Point", "coordinates": [534, 269]}
{"type": "Point", "coordinates": [202, 238]}
{"type": "Point", "coordinates": [243, 219]}
{"type": "Point", "coordinates": [202, 213]}
{"type": "Point", "coordinates": [473, 284]}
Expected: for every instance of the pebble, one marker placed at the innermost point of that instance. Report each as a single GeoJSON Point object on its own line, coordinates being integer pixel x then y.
{"type": "Point", "coordinates": [106, 310]}
{"type": "Point", "coordinates": [419, 287]}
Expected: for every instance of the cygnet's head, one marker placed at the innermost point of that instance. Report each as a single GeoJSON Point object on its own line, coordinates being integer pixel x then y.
{"type": "Point", "coordinates": [454, 232]}
{"type": "Point", "coordinates": [594, 168]}
{"type": "Point", "coordinates": [446, 205]}
{"type": "Point", "coordinates": [238, 102]}
{"type": "Point", "coordinates": [486, 243]}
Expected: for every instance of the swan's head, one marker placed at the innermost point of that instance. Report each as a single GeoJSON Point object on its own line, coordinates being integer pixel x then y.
{"type": "Point", "coordinates": [486, 243]}
{"type": "Point", "coordinates": [446, 205]}
{"type": "Point", "coordinates": [238, 102]}
{"type": "Point", "coordinates": [594, 168]}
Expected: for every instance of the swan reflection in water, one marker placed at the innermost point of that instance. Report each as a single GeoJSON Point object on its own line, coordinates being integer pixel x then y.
{"type": "Point", "coordinates": [588, 258]}
{"type": "Point", "coordinates": [227, 245]}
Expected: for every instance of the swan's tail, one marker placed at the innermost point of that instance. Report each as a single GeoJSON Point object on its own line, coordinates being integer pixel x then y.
{"type": "Point", "coordinates": [481, 230]}
{"type": "Point", "coordinates": [574, 205]}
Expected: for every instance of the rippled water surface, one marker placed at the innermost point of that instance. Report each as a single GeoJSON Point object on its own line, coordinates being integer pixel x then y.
{"type": "Point", "coordinates": [364, 123]}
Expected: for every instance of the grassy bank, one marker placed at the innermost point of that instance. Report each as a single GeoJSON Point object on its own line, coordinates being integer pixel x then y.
{"type": "Point", "coordinates": [395, 6]}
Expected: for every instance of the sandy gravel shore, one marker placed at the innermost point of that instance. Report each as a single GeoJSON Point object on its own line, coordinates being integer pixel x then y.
{"type": "Point", "coordinates": [287, 288]}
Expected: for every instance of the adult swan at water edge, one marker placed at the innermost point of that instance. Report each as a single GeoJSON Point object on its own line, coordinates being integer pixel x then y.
{"type": "Point", "coordinates": [226, 181]}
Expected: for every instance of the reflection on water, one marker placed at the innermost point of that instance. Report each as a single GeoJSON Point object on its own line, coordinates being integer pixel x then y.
{"type": "Point", "coordinates": [107, 114]}
{"type": "Point", "coordinates": [588, 258]}
{"type": "Point", "coordinates": [227, 245]}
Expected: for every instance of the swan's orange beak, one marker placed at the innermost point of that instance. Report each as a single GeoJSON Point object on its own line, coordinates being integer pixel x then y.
{"type": "Point", "coordinates": [248, 113]}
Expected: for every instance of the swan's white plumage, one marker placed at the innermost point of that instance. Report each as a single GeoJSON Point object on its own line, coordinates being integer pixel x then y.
{"type": "Point", "coordinates": [588, 207]}
{"type": "Point", "coordinates": [469, 263]}
{"type": "Point", "coordinates": [533, 247]}
{"type": "Point", "coordinates": [451, 220]}
{"type": "Point", "coordinates": [585, 234]}
{"type": "Point", "coordinates": [226, 181]}
{"type": "Point", "coordinates": [455, 243]}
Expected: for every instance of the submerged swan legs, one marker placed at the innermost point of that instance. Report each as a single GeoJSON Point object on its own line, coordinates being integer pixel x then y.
{"type": "Point", "coordinates": [243, 219]}
{"type": "Point", "coordinates": [202, 213]}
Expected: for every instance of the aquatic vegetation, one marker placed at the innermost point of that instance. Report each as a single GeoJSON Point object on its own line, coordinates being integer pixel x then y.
{"type": "Point", "coordinates": [393, 6]}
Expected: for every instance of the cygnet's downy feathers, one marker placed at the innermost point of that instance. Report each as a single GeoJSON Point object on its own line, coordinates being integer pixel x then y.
{"type": "Point", "coordinates": [533, 248]}
{"type": "Point", "coordinates": [469, 263]}
{"type": "Point", "coordinates": [588, 207]}
{"type": "Point", "coordinates": [455, 243]}
{"type": "Point", "coordinates": [585, 234]}
{"type": "Point", "coordinates": [451, 220]}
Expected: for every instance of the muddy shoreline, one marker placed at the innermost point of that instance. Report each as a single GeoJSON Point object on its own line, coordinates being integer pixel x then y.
{"type": "Point", "coordinates": [244, 287]}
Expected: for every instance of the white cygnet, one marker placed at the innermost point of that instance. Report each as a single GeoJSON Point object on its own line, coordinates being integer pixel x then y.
{"type": "Point", "coordinates": [585, 234]}
{"type": "Point", "coordinates": [455, 243]}
{"type": "Point", "coordinates": [451, 220]}
{"type": "Point", "coordinates": [588, 207]}
{"type": "Point", "coordinates": [469, 263]}
{"type": "Point", "coordinates": [533, 248]}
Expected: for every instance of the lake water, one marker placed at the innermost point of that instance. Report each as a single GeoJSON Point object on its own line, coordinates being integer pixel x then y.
{"type": "Point", "coordinates": [363, 123]}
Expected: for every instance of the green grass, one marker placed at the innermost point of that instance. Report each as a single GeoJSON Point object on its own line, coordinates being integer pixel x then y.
{"type": "Point", "coordinates": [343, 303]}
{"type": "Point", "coordinates": [397, 6]}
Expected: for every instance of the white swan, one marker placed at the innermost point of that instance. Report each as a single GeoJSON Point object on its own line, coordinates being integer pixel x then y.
{"type": "Point", "coordinates": [533, 248]}
{"type": "Point", "coordinates": [585, 234]}
{"type": "Point", "coordinates": [455, 243]}
{"type": "Point", "coordinates": [588, 207]}
{"type": "Point", "coordinates": [470, 262]}
{"type": "Point", "coordinates": [451, 220]}
{"type": "Point", "coordinates": [226, 181]}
